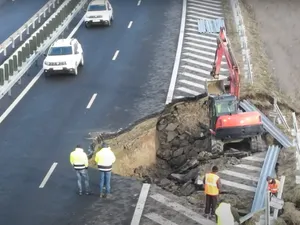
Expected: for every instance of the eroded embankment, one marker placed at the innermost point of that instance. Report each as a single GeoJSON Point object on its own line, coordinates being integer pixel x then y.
{"type": "Point", "coordinates": [172, 147]}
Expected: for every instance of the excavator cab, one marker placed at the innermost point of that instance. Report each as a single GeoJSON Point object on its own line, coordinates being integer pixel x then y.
{"type": "Point", "coordinates": [220, 105]}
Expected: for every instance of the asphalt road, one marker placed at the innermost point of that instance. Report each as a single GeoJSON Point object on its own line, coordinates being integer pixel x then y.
{"type": "Point", "coordinates": [13, 15]}
{"type": "Point", "coordinates": [52, 118]}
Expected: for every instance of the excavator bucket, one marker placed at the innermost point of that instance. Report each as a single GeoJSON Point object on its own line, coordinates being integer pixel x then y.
{"type": "Point", "coordinates": [215, 86]}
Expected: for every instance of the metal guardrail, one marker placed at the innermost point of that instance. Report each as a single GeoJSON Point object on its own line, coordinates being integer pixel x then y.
{"type": "Point", "coordinates": [295, 132]}
{"type": "Point", "coordinates": [277, 115]}
{"type": "Point", "coordinates": [31, 22]}
{"type": "Point", "coordinates": [268, 125]}
{"type": "Point", "coordinates": [238, 18]}
{"type": "Point", "coordinates": [37, 45]}
{"type": "Point", "coordinates": [267, 170]}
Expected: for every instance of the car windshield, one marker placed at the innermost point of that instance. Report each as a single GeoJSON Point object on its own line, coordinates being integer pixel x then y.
{"type": "Point", "coordinates": [225, 107]}
{"type": "Point", "coordinates": [60, 51]}
{"type": "Point", "coordinates": [96, 8]}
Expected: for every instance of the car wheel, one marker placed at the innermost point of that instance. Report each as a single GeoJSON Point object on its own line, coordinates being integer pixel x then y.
{"type": "Point", "coordinates": [87, 25]}
{"type": "Point", "coordinates": [112, 17]}
{"type": "Point", "coordinates": [109, 23]}
{"type": "Point", "coordinates": [46, 74]}
{"type": "Point", "coordinates": [82, 61]}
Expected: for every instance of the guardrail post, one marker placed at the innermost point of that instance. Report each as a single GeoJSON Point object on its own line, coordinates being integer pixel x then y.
{"type": "Point", "coordinates": [27, 29]}
{"type": "Point", "coordinates": [24, 54]}
{"type": "Point", "coordinates": [5, 48]}
{"type": "Point", "coordinates": [6, 72]}
{"type": "Point", "coordinates": [12, 42]}
{"type": "Point", "coordinates": [1, 76]}
{"type": "Point", "coordinates": [39, 18]}
{"type": "Point", "coordinates": [49, 8]}
{"type": "Point", "coordinates": [33, 24]}
{"type": "Point", "coordinates": [10, 67]}
{"type": "Point", "coordinates": [19, 58]}
{"type": "Point", "coordinates": [279, 195]}
{"type": "Point", "coordinates": [15, 63]}
{"type": "Point", "coordinates": [267, 212]}
{"type": "Point", "coordinates": [21, 36]}
{"type": "Point", "coordinates": [44, 13]}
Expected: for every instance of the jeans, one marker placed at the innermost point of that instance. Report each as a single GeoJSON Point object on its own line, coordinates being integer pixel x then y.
{"type": "Point", "coordinates": [105, 180]}
{"type": "Point", "coordinates": [83, 174]}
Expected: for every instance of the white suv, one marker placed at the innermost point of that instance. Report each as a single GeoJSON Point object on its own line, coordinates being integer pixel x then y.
{"type": "Point", "coordinates": [64, 56]}
{"type": "Point", "coordinates": [99, 12]}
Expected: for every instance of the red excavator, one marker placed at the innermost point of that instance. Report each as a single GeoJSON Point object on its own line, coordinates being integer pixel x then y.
{"type": "Point", "coordinates": [227, 123]}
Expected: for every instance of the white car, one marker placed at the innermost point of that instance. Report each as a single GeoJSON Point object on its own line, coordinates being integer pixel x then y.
{"type": "Point", "coordinates": [64, 56]}
{"type": "Point", "coordinates": [99, 12]}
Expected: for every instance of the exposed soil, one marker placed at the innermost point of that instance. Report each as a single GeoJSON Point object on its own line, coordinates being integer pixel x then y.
{"type": "Point", "coordinates": [172, 147]}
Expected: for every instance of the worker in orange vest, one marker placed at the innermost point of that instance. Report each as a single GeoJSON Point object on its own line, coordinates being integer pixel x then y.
{"type": "Point", "coordinates": [212, 185]}
{"type": "Point", "coordinates": [273, 185]}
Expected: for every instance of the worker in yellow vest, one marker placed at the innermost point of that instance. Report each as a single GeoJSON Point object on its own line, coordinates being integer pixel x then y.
{"type": "Point", "coordinates": [226, 214]}
{"type": "Point", "coordinates": [80, 163]}
{"type": "Point", "coordinates": [212, 185]}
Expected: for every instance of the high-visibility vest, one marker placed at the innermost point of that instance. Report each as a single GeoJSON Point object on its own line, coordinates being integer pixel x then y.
{"type": "Point", "coordinates": [104, 159]}
{"type": "Point", "coordinates": [79, 159]}
{"type": "Point", "coordinates": [273, 188]}
{"type": "Point", "coordinates": [224, 214]}
{"type": "Point", "coordinates": [211, 187]}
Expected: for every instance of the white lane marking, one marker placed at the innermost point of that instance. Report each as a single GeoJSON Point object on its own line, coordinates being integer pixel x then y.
{"type": "Point", "coordinates": [208, 66]}
{"type": "Point", "coordinates": [192, 84]}
{"type": "Point", "coordinates": [178, 97]}
{"type": "Point", "coordinates": [140, 205]}
{"type": "Point", "coordinates": [159, 219]}
{"type": "Point", "coordinates": [248, 167]}
{"type": "Point", "coordinates": [195, 6]}
{"type": "Point", "coordinates": [238, 185]}
{"type": "Point", "coordinates": [197, 70]}
{"type": "Point", "coordinates": [198, 51]}
{"type": "Point", "coordinates": [178, 55]}
{"type": "Point", "coordinates": [297, 179]}
{"type": "Point", "coordinates": [202, 36]}
{"type": "Point", "coordinates": [46, 178]}
{"type": "Point", "coordinates": [202, 57]}
{"type": "Point", "coordinates": [116, 55]}
{"type": "Point", "coordinates": [203, 3]}
{"type": "Point", "coordinates": [91, 101]}
{"type": "Point", "coordinates": [254, 158]}
{"type": "Point", "coordinates": [139, 2]}
{"type": "Point", "coordinates": [200, 11]}
{"type": "Point", "coordinates": [240, 175]}
{"type": "Point", "coordinates": [214, 43]}
{"type": "Point", "coordinates": [181, 209]}
{"type": "Point", "coordinates": [186, 90]}
{"type": "Point", "coordinates": [32, 82]}
{"type": "Point", "coordinates": [200, 46]}
{"type": "Point", "coordinates": [194, 76]}
{"type": "Point", "coordinates": [130, 24]}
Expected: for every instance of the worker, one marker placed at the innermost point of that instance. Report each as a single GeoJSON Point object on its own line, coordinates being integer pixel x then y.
{"type": "Point", "coordinates": [79, 161]}
{"type": "Point", "coordinates": [273, 185]}
{"type": "Point", "coordinates": [226, 214]}
{"type": "Point", "coordinates": [104, 159]}
{"type": "Point", "coordinates": [212, 185]}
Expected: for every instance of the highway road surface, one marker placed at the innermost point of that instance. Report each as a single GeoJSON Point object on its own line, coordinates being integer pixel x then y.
{"type": "Point", "coordinates": [13, 14]}
{"type": "Point", "coordinates": [125, 77]}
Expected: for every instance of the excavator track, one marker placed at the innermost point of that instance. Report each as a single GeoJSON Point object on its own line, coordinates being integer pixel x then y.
{"type": "Point", "coordinates": [217, 146]}
{"type": "Point", "coordinates": [256, 144]}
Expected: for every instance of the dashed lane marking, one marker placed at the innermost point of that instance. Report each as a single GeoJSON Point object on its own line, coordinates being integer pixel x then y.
{"type": "Point", "coordinates": [139, 2]}
{"type": "Point", "coordinates": [238, 185]}
{"type": "Point", "coordinates": [115, 55]}
{"type": "Point", "coordinates": [140, 205]}
{"type": "Point", "coordinates": [91, 101]}
{"type": "Point", "coordinates": [130, 24]}
{"type": "Point", "coordinates": [46, 178]}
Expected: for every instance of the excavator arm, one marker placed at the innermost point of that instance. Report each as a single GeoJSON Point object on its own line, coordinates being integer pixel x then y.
{"type": "Point", "coordinates": [223, 48]}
